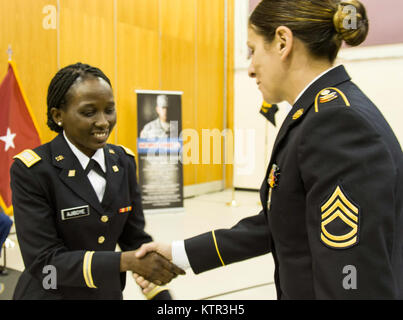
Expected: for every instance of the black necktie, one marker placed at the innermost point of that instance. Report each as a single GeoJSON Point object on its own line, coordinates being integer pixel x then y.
{"type": "Point", "coordinates": [269, 111]}
{"type": "Point", "coordinates": [94, 165]}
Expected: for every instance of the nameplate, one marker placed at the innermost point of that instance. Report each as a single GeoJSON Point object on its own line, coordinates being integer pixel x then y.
{"type": "Point", "coordinates": [76, 212]}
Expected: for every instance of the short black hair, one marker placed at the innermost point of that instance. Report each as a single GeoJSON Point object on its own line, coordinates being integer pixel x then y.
{"type": "Point", "coordinates": [62, 82]}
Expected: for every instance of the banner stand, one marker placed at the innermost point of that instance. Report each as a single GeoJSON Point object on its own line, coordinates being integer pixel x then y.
{"type": "Point", "coordinates": [159, 146]}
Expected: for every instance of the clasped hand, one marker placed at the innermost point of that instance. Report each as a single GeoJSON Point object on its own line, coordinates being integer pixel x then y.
{"type": "Point", "coordinates": [151, 266]}
{"type": "Point", "coordinates": [145, 249]}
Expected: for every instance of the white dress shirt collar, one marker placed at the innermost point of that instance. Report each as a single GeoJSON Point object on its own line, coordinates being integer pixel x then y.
{"type": "Point", "coordinates": [84, 159]}
{"type": "Point", "coordinates": [319, 76]}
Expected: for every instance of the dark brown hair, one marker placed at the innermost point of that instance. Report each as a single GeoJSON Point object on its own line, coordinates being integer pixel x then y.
{"type": "Point", "coordinates": [321, 24]}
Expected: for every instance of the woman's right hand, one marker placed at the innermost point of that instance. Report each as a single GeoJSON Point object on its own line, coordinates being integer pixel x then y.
{"type": "Point", "coordinates": [152, 267]}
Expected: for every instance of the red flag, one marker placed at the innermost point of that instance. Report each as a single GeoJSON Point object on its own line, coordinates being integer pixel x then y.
{"type": "Point", "coordinates": [18, 130]}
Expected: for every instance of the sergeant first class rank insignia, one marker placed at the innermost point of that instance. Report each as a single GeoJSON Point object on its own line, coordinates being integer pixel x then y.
{"type": "Point", "coordinates": [273, 181]}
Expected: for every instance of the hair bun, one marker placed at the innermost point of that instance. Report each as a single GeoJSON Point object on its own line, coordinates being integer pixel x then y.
{"type": "Point", "coordinates": [350, 22]}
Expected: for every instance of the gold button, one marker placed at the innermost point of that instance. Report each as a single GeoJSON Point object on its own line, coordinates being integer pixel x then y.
{"type": "Point", "coordinates": [104, 219]}
{"type": "Point", "coordinates": [101, 240]}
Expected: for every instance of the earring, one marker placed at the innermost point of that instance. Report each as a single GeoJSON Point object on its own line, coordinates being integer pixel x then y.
{"type": "Point", "coordinates": [59, 124]}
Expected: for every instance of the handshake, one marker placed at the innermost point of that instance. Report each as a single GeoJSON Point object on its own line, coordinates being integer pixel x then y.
{"type": "Point", "coordinates": [150, 264]}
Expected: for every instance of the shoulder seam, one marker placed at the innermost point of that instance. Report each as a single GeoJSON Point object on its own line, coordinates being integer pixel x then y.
{"type": "Point", "coordinates": [128, 151]}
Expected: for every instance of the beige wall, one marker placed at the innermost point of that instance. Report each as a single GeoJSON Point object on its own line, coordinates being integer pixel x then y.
{"type": "Point", "coordinates": [378, 71]}
{"type": "Point", "coordinates": [140, 44]}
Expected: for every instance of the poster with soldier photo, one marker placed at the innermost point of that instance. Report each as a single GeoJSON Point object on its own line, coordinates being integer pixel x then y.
{"type": "Point", "coordinates": [159, 123]}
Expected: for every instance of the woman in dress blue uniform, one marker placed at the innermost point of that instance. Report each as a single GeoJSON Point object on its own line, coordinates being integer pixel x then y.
{"type": "Point", "coordinates": [76, 197]}
{"type": "Point", "coordinates": [332, 196]}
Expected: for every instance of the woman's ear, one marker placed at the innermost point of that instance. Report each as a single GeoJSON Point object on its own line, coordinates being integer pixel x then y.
{"type": "Point", "coordinates": [284, 42]}
{"type": "Point", "coordinates": [57, 116]}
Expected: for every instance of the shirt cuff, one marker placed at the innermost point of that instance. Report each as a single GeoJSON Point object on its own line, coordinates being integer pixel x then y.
{"type": "Point", "coordinates": [179, 256]}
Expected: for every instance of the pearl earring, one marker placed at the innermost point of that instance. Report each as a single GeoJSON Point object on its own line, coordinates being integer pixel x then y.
{"type": "Point", "coordinates": [59, 124]}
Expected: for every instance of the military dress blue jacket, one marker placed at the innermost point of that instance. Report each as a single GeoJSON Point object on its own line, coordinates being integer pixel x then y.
{"type": "Point", "coordinates": [61, 223]}
{"type": "Point", "coordinates": [332, 200]}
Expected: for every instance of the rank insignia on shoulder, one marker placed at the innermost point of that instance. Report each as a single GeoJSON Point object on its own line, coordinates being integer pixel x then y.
{"type": "Point", "coordinates": [339, 221]}
{"type": "Point", "coordinates": [59, 158]}
{"type": "Point", "coordinates": [28, 157]}
{"type": "Point", "coordinates": [329, 94]}
{"type": "Point", "coordinates": [128, 151]}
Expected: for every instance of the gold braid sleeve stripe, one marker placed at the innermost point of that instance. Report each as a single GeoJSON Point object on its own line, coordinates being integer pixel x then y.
{"type": "Point", "coordinates": [337, 244]}
{"type": "Point", "coordinates": [154, 292]}
{"type": "Point", "coordinates": [216, 247]}
{"type": "Point", "coordinates": [89, 281]}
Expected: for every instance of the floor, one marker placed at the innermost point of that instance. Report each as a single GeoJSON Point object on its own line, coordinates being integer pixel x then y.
{"type": "Point", "coordinates": [248, 280]}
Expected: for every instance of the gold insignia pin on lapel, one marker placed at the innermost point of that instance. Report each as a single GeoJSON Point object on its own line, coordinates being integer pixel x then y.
{"type": "Point", "coordinates": [111, 151]}
{"type": "Point", "coordinates": [59, 158]}
{"type": "Point", "coordinates": [72, 173]}
{"type": "Point", "coordinates": [298, 114]}
{"type": "Point", "coordinates": [115, 168]}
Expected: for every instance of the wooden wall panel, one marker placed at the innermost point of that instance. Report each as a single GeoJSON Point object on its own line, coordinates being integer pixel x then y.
{"type": "Point", "coordinates": [178, 45]}
{"type": "Point", "coordinates": [139, 44]}
{"type": "Point", "coordinates": [138, 65]}
{"type": "Point", "coordinates": [229, 168]}
{"type": "Point", "coordinates": [141, 13]}
{"type": "Point", "coordinates": [87, 34]}
{"type": "Point", "coordinates": [34, 52]}
{"type": "Point", "coordinates": [210, 79]}
{"type": "Point", "coordinates": [136, 71]}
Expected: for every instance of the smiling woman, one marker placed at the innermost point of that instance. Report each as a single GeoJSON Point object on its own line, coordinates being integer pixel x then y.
{"type": "Point", "coordinates": [76, 198]}
{"type": "Point", "coordinates": [87, 113]}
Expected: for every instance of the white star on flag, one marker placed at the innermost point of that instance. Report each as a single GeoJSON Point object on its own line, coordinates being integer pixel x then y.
{"type": "Point", "coordinates": [8, 139]}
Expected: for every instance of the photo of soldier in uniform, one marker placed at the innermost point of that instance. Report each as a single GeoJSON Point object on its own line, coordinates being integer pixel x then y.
{"type": "Point", "coordinates": [165, 124]}
{"type": "Point", "coordinates": [159, 116]}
